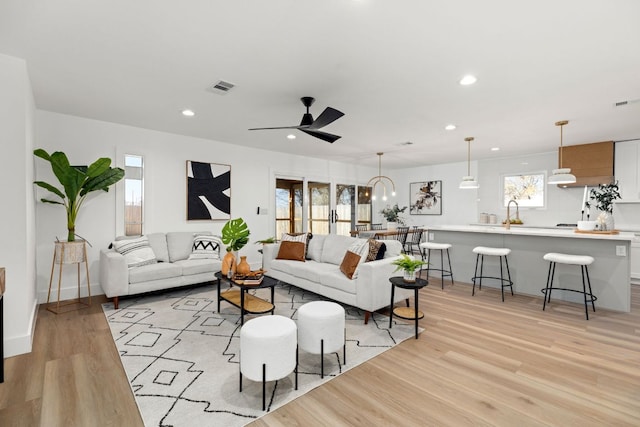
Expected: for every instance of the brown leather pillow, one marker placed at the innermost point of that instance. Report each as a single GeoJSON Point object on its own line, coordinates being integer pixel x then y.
{"type": "Point", "coordinates": [293, 251]}
{"type": "Point", "coordinates": [349, 264]}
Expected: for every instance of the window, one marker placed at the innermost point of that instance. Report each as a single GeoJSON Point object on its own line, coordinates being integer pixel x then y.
{"type": "Point", "coordinates": [133, 190]}
{"type": "Point", "coordinates": [527, 189]}
{"type": "Point", "coordinates": [288, 206]}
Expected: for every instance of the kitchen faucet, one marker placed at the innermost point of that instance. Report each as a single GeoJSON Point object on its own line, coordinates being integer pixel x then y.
{"type": "Point", "coordinates": [507, 223]}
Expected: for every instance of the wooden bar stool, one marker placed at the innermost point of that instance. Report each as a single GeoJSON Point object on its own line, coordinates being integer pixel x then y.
{"type": "Point", "coordinates": [501, 253]}
{"type": "Point", "coordinates": [425, 251]}
{"type": "Point", "coordinates": [583, 261]}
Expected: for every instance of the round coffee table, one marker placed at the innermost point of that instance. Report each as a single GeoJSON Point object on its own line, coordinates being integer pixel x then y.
{"type": "Point", "coordinates": [406, 312]}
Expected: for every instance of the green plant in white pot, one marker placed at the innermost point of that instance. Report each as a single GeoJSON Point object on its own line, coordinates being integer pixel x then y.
{"type": "Point", "coordinates": [392, 215]}
{"type": "Point", "coordinates": [602, 198]}
{"type": "Point", "coordinates": [77, 183]}
{"type": "Point", "coordinates": [408, 265]}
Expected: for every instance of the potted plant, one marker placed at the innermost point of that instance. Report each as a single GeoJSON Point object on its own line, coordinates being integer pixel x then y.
{"type": "Point", "coordinates": [77, 182]}
{"type": "Point", "coordinates": [409, 266]}
{"type": "Point", "coordinates": [235, 234]}
{"type": "Point", "coordinates": [392, 215]}
{"type": "Point", "coordinates": [266, 241]}
{"type": "Point", "coordinates": [603, 198]}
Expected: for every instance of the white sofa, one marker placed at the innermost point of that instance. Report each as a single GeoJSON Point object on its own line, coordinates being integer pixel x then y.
{"type": "Point", "coordinates": [172, 269]}
{"type": "Point", "coordinates": [320, 273]}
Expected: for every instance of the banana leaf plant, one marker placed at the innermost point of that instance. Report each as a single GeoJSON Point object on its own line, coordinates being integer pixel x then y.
{"type": "Point", "coordinates": [77, 182]}
{"type": "Point", "coordinates": [235, 234]}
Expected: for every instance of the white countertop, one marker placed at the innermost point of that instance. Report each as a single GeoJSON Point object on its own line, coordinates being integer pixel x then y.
{"type": "Point", "coordinates": [518, 230]}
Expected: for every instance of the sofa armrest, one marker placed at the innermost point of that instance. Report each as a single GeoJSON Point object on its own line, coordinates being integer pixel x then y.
{"type": "Point", "coordinates": [269, 253]}
{"type": "Point", "coordinates": [373, 289]}
{"type": "Point", "coordinates": [114, 273]}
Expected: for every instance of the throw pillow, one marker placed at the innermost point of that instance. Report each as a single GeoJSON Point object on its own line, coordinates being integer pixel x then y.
{"type": "Point", "coordinates": [299, 237]}
{"type": "Point", "coordinates": [290, 250]}
{"type": "Point", "coordinates": [206, 247]}
{"type": "Point", "coordinates": [136, 252]}
{"type": "Point", "coordinates": [376, 250]}
{"type": "Point", "coordinates": [356, 254]}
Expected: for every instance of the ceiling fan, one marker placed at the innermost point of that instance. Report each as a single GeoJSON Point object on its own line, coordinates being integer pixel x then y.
{"type": "Point", "coordinates": [310, 126]}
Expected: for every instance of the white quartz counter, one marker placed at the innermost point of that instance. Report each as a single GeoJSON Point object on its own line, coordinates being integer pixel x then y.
{"type": "Point", "coordinates": [610, 273]}
{"type": "Point", "coordinates": [519, 230]}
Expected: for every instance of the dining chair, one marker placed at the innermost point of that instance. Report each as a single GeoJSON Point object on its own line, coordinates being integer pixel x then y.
{"type": "Point", "coordinates": [413, 244]}
{"type": "Point", "coordinates": [377, 226]}
{"type": "Point", "coordinates": [402, 236]}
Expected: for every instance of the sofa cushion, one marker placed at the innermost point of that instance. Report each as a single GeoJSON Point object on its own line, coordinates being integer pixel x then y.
{"type": "Point", "coordinates": [158, 242]}
{"type": "Point", "coordinates": [355, 255]}
{"type": "Point", "coordinates": [293, 251]}
{"type": "Point", "coordinates": [335, 279]}
{"type": "Point", "coordinates": [310, 270]}
{"type": "Point", "coordinates": [205, 247]}
{"type": "Point", "coordinates": [376, 250]}
{"type": "Point", "coordinates": [146, 273]}
{"type": "Point", "coordinates": [314, 247]}
{"type": "Point", "coordinates": [197, 266]}
{"type": "Point", "coordinates": [136, 252]}
{"type": "Point", "coordinates": [179, 244]}
{"type": "Point", "coordinates": [335, 247]}
{"type": "Point", "coordinates": [394, 248]}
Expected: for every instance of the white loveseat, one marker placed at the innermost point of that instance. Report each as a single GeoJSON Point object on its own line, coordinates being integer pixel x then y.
{"type": "Point", "coordinates": [172, 268]}
{"type": "Point", "coordinates": [320, 273]}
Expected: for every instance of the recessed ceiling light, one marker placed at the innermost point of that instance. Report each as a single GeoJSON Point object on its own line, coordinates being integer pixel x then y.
{"type": "Point", "coordinates": [468, 80]}
{"type": "Point", "coordinates": [188, 113]}
{"type": "Point", "coordinates": [291, 136]}
{"type": "Point", "coordinates": [524, 163]}
{"type": "Point", "coordinates": [495, 149]}
{"type": "Point", "coordinates": [450, 127]}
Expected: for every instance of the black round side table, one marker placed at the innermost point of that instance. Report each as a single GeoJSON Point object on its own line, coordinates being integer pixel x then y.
{"type": "Point", "coordinates": [406, 312]}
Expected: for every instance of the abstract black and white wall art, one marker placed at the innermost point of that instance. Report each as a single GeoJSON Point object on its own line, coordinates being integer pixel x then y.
{"type": "Point", "coordinates": [426, 198]}
{"type": "Point", "coordinates": [208, 191]}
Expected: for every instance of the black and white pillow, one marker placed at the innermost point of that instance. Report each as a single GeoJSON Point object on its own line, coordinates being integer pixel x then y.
{"type": "Point", "coordinates": [136, 252]}
{"type": "Point", "coordinates": [206, 247]}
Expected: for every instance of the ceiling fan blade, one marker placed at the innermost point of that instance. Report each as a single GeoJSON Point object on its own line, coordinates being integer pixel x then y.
{"type": "Point", "coordinates": [325, 136]}
{"type": "Point", "coordinates": [279, 127]}
{"type": "Point", "coordinates": [329, 115]}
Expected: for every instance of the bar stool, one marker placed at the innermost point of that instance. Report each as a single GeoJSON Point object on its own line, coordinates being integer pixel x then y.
{"type": "Point", "coordinates": [425, 251]}
{"type": "Point", "coordinates": [583, 261]}
{"type": "Point", "coordinates": [501, 253]}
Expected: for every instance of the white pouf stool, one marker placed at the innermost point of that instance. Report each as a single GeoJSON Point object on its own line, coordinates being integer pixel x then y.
{"type": "Point", "coordinates": [583, 261]}
{"type": "Point", "coordinates": [321, 329]}
{"type": "Point", "coordinates": [268, 350]}
{"type": "Point", "coordinates": [425, 251]}
{"type": "Point", "coordinates": [501, 253]}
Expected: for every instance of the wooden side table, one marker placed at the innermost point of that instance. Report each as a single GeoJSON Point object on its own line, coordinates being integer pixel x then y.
{"type": "Point", "coordinates": [69, 253]}
{"type": "Point", "coordinates": [406, 312]}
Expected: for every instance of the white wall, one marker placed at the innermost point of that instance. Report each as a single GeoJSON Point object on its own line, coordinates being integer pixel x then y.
{"type": "Point", "coordinates": [17, 227]}
{"type": "Point", "coordinates": [165, 157]}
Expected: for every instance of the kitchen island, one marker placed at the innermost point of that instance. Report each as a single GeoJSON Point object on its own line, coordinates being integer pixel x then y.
{"type": "Point", "coordinates": [610, 273]}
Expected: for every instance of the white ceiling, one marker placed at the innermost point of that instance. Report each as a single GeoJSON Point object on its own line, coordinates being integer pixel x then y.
{"type": "Point", "coordinates": [391, 66]}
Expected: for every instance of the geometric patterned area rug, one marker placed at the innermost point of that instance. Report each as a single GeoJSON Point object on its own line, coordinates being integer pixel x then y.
{"type": "Point", "coordinates": [181, 355]}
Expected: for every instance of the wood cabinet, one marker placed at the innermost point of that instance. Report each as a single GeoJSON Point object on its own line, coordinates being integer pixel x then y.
{"type": "Point", "coordinates": [592, 164]}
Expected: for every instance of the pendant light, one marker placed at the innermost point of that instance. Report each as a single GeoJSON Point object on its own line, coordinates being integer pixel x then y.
{"type": "Point", "coordinates": [468, 182]}
{"type": "Point", "coordinates": [561, 175]}
{"type": "Point", "coordinates": [380, 179]}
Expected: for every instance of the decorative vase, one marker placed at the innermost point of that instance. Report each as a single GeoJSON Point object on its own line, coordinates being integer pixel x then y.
{"type": "Point", "coordinates": [409, 276]}
{"type": "Point", "coordinates": [610, 223]}
{"type": "Point", "coordinates": [392, 225]}
{"type": "Point", "coordinates": [243, 266]}
{"type": "Point", "coordinates": [228, 264]}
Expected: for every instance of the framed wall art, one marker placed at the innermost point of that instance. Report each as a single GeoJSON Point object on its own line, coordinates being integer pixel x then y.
{"type": "Point", "coordinates": [208, 191]}
{"type": "Point", "coordinates": [426, 198]}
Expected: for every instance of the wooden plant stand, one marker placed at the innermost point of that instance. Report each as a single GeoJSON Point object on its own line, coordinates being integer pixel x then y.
{"type": "Point", "coordinates": [69, 253]}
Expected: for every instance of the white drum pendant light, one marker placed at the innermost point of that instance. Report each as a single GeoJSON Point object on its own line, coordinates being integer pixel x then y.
{"type": "Point", "coordinates": [468, 182]}
{"type": "Point", "coordinates": [561, 175]}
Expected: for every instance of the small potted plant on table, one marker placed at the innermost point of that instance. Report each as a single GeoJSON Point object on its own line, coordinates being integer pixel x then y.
{"type": "Point", "coordinates": [409, 266]}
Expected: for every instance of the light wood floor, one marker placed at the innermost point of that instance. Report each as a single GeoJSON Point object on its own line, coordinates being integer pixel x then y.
{"type": "Point", "coordinates": [478, 362]}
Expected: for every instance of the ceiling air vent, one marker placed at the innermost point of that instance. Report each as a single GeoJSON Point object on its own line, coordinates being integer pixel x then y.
{"type": "Point", "coordinates": [625, 103]}
{"type": "Point", "coordinates": [221, 87]}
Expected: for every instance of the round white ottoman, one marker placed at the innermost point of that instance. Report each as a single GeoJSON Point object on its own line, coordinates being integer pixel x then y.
{"type": "Point", "coordinates": [321, 329]}
{"type": "Point", "coordinates": [268, 350]}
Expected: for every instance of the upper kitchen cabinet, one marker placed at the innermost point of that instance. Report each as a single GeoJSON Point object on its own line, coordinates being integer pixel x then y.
{"type": "Point", "coordinates": [628, 170]}
{"type": "Point", "coordinates": [592, 164]}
